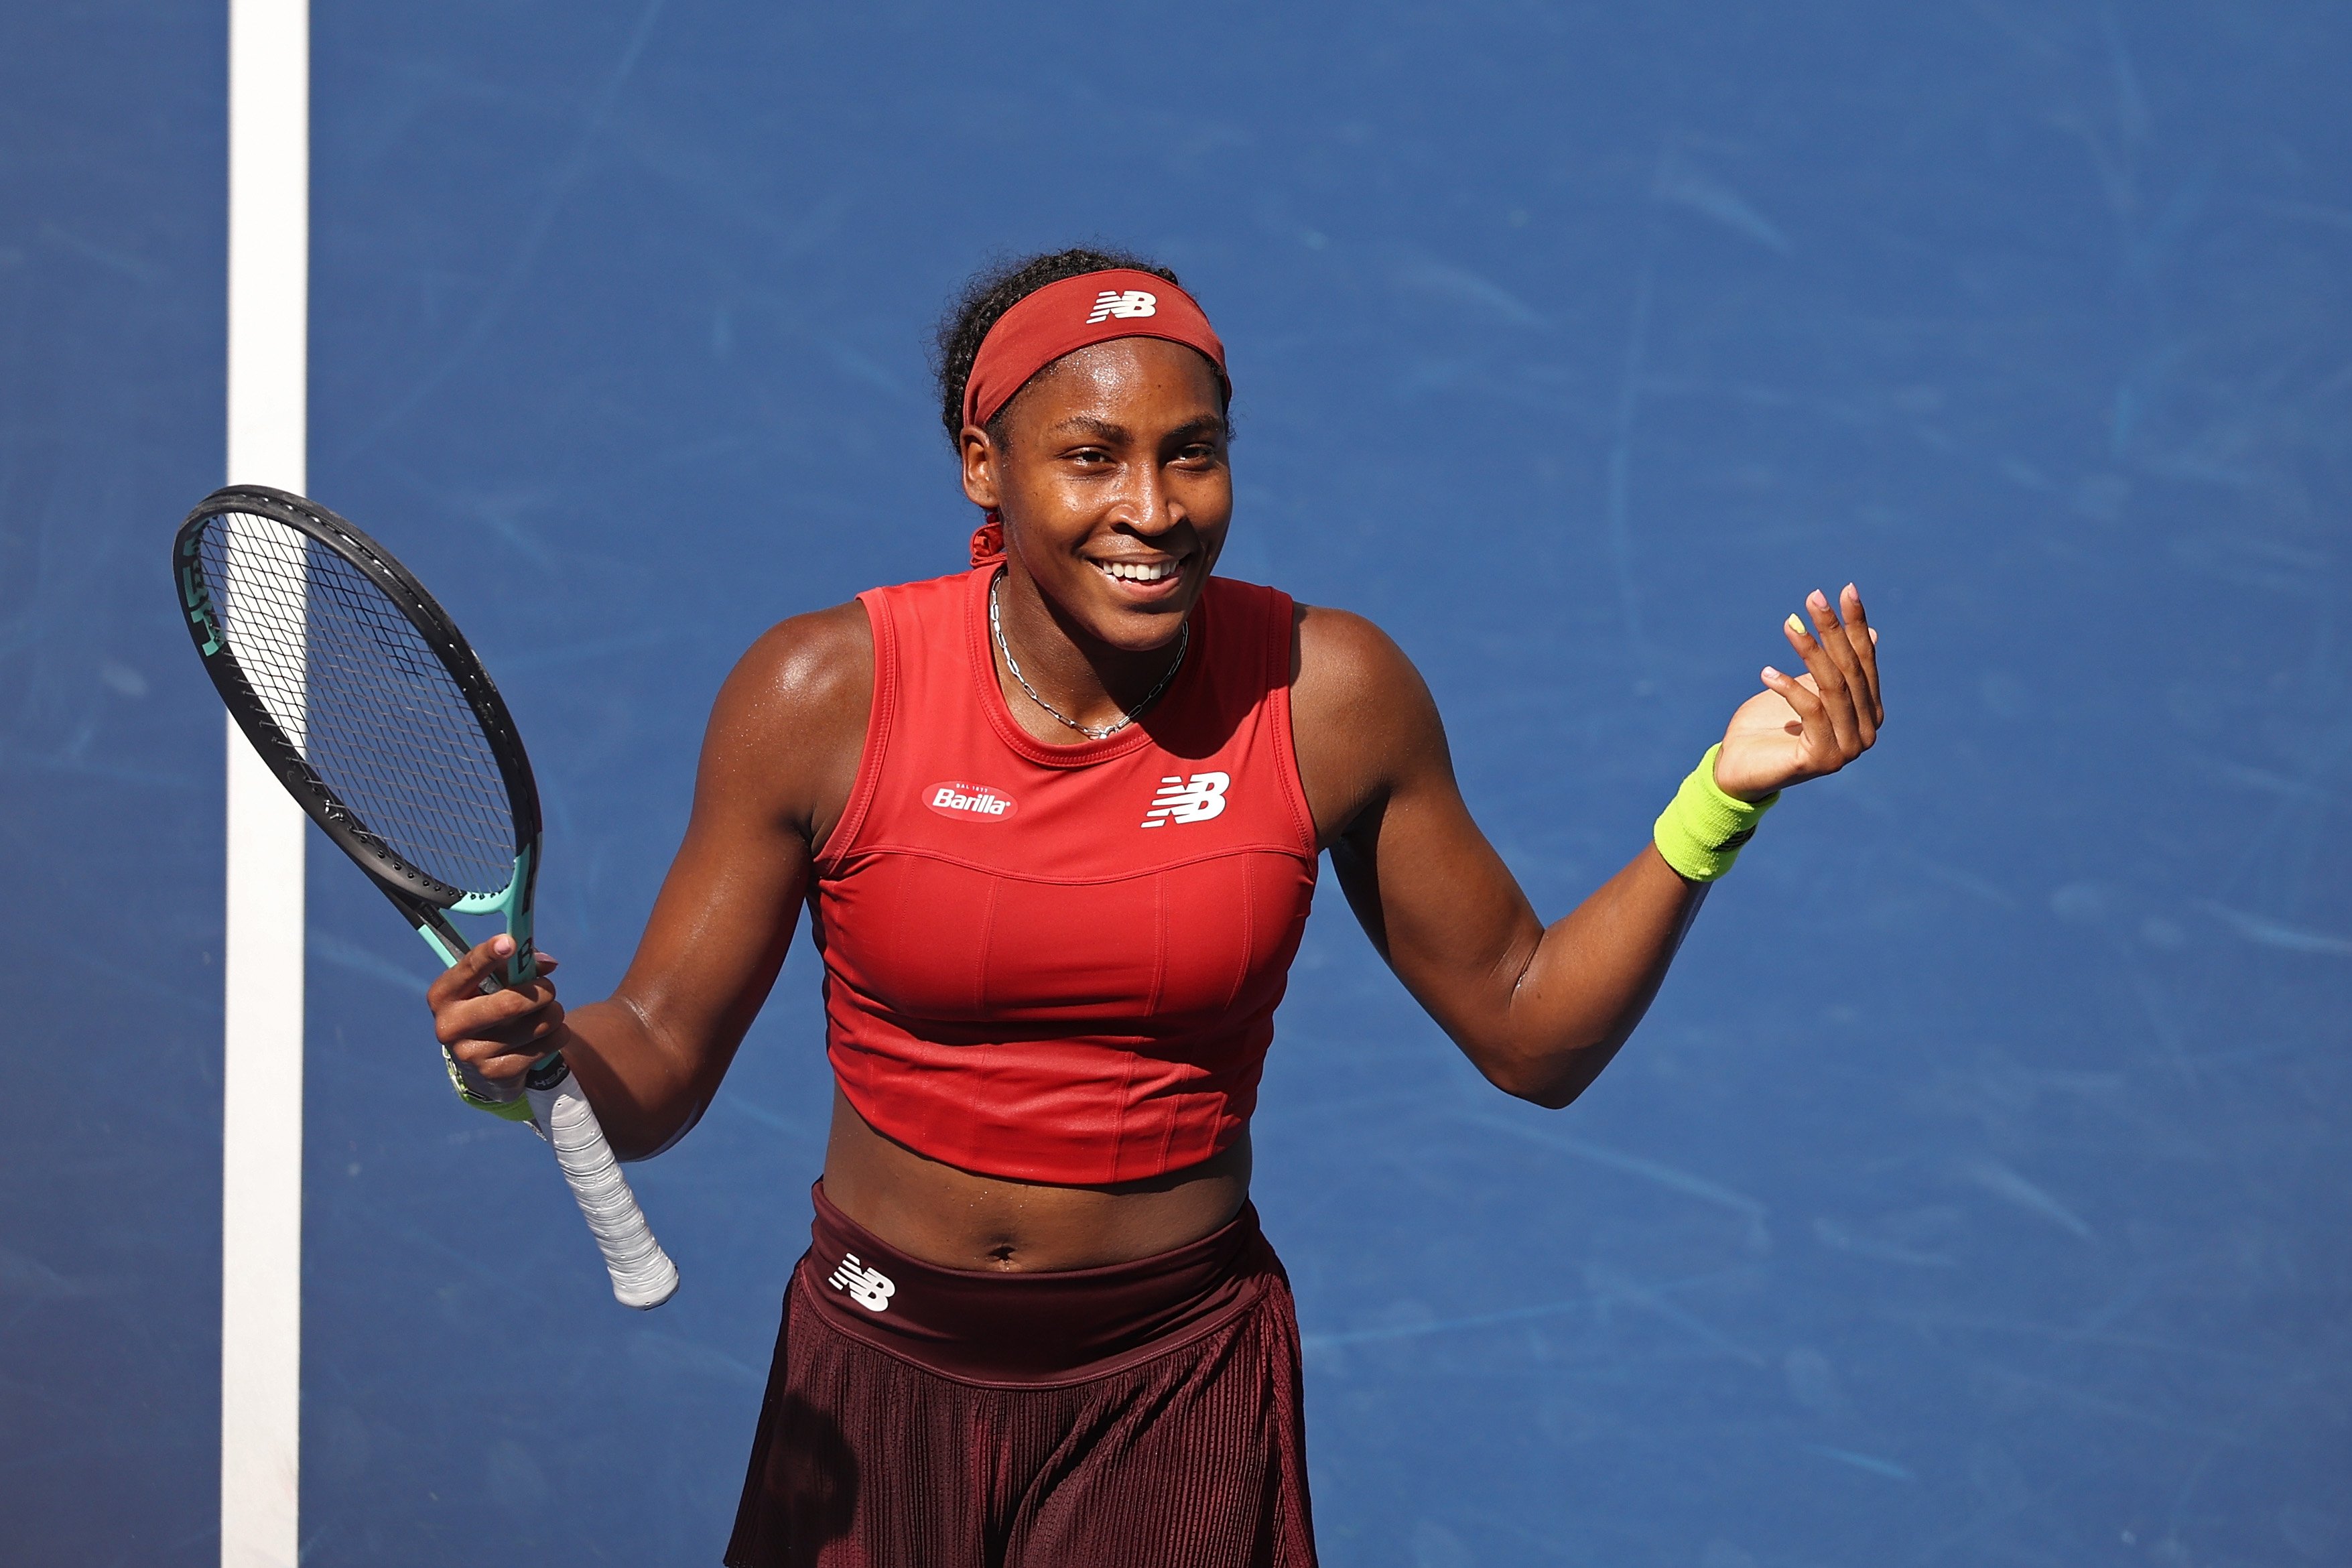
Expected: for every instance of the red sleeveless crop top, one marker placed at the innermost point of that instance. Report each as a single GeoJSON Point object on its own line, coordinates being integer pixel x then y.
{"type": "Point", "coordinates": [1061, 963]}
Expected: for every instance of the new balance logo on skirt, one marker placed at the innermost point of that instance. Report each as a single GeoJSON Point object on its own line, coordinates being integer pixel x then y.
{"type": "Point", "coordinates": [1195, 799]}
{"type": "Point", "coordinates": [1133, 302]}
{"type": "Point", "coordinates": [870, 1287]}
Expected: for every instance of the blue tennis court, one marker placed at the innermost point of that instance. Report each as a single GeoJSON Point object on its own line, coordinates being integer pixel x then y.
{"type": "Point", "coordinates": [1976, 1190]}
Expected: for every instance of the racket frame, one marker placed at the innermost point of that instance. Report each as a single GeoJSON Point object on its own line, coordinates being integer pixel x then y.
{"type": "Point", "coordinates": [422, 899]}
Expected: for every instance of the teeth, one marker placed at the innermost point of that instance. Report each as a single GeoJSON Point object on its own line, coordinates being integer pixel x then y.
{"type": "Point", "coordinates": [1126, 572]}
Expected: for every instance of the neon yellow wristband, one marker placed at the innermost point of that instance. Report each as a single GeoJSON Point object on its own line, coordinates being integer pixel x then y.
{"type": "Point", "coordinates": [1701, 831]}
{"type": "Point", "coordinates": [515, 1110]}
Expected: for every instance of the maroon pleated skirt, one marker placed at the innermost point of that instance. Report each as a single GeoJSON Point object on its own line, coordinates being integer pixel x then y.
{"type": "Point", "coordinates": [1143, 1415]}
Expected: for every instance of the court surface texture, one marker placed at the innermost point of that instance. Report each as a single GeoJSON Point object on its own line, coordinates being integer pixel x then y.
{"type": "Point", "coordinates": [1977, 1192]}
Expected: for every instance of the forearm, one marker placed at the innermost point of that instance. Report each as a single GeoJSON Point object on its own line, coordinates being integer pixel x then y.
{"type": "Point", "coordinates": [1541, 1010]}
{"type": "Point", "coordinates": [1590, 977]}
{"type": "Point", "coordinates": [1589, 980]}
{"type": "Point", "coordinates": [646, 1092]}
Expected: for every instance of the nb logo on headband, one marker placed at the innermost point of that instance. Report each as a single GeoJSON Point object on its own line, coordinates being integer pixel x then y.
{"type": "Point", "coordinates": [1133, 302]}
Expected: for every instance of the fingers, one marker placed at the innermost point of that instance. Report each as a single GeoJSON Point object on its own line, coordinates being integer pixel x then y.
{"type": "Point", "coordinates": [502, 1033]}
{"type": "Point", "coordinates": [506, 1046]}
{"type": "Point", "coordinates": [1801, 696]}
{"type": "Point", "coordinates": [483, 960]}
{"type": "Point", "coordinates": [1862, 638]}
{"type": "Point", "coordinates": [1837, 643]}
{"type": "Point", "coordinates": [1837, 739]}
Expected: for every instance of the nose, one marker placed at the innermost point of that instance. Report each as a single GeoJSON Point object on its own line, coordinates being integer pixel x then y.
{"type": "Point", "coordinates": [1146, 504]}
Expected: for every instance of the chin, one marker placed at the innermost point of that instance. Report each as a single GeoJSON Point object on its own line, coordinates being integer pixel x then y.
{"type": "Point", "coordinates": [1140, 632]}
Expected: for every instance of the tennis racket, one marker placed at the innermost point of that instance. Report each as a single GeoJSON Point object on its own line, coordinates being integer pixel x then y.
{"type": "Point", "coordinates": [372, 710]}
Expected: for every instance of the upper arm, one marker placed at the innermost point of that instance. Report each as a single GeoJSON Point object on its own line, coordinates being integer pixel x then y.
{"type": "Point", "coordinates": [778, 762]}
{"type": "Point", "coordinates": [1431, 891]}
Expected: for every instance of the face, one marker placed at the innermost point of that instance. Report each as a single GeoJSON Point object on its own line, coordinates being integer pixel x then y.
{"type": "Point", "coordinates": [1113, 484]}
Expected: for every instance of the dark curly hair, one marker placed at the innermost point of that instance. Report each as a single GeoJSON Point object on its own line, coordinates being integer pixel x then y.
{"type": "Point", "coordinates": [995, 289]}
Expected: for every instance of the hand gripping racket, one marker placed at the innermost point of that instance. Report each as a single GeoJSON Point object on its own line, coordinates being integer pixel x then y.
{"type": "Point", "coordinates": [372, 709]}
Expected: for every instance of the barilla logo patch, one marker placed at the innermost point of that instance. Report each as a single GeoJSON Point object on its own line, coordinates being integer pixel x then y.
{"type": "Point", "coordinates": [969, 802]}
{"type": "Point", "coordinates": [1133, 302]}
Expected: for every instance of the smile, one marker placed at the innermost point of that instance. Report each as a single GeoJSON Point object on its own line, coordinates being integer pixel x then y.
{"type": "Point", "coordinates": [1139, 570]}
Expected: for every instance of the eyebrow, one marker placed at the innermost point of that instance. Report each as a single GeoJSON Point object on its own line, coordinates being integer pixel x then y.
{"type": "Point", "coordinates": [1087, 424]}
{"type": "Point", "coordinates": [1104, 430]}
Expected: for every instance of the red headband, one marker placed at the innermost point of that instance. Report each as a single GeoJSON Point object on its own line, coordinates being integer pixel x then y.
{"type": "Point", "coordinates": [1064, 317]}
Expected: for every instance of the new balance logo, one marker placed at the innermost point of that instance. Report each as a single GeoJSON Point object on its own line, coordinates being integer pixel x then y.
{"type": "Point", "coordinates": [1195, 799]}
{"type": "Point", "coordinates": [870, 1287]}
{"type": "Point", "coordinates": [1134, 303]}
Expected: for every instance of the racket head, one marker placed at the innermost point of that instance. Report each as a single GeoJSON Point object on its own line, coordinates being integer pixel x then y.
{"type": "Point", "coordinates": [364, 699]}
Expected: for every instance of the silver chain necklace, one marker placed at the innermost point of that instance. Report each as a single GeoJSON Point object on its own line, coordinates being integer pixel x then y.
{"type": "Point", "coordinates": [1091, 732]}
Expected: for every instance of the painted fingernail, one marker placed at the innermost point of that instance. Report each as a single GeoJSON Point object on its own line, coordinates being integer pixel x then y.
{"type": "Point", "coordinates": [503, 946]}
{"type": "Point", "coordinates": [1852, 591]}
{"type": "Point", "coordinates": [1796, 626]}
{"type": "Point", "coordinates": [1772, 674]}
{"type": "Point", "coordinates": [1818, 599]}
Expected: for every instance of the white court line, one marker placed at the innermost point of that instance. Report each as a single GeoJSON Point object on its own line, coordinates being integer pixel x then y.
{"type": "Point", "coordinates": [261, 1119]}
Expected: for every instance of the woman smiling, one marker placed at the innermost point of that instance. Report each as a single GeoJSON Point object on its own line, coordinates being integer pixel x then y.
{"type": "Point", "coordinates": [1057, 817]}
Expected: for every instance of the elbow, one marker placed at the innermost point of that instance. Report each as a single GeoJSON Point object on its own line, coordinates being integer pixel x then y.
{"type": "Point", "coordinates": [629, 1140]}
{"type": "Point", "coordinates": [1552, 1080]}
{"type": "Point", "coordinates": [1552, 1085]}
{"type": "Point", "coordinates": [628, 1150]}
{"type": "Point", "coordinates": [650, 1141]}
{"type": "Point", "coordinates": [1550, 1094]}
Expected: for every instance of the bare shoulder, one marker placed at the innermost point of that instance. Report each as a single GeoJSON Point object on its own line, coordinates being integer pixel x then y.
{"type": "Point", "coordinates": [1345, 670]}
{"type": "Point", "coordinates": [808, 664]}
{"type": "Point", "coordinates": [1361, 716]}
{"type": "Point", "coordinates": [790, 719]}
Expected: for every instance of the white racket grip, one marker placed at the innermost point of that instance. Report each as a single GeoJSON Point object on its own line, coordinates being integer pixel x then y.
{"type": "Point", "coordinates": [643, 1275]}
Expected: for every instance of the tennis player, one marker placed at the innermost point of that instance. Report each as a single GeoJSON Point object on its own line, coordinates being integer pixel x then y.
{"type": "Point", "coordinates": [1056, 819]}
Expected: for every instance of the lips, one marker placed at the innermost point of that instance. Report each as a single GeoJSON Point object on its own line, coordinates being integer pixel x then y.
{"type": "Point", "coordinates": [1140, 572]}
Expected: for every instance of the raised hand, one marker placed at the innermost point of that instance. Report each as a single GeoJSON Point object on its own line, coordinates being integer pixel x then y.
{"type": "Point", "coordinates": [1803, 727]}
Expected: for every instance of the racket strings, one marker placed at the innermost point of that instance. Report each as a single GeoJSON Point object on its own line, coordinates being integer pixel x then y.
{"type": "Point", "coordinates": [357, 689]}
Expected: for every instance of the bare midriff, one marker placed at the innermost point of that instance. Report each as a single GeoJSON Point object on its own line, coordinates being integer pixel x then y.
{"type": "Point", "coordinates": [961, 1219]}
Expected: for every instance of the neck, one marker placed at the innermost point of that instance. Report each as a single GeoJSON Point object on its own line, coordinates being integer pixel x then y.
{"type": "Point", "coordinates": [1092, 681]}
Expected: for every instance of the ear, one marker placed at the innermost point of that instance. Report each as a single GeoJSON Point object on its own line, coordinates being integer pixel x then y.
{"type": "Point", "coordinates": [980, 458]}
